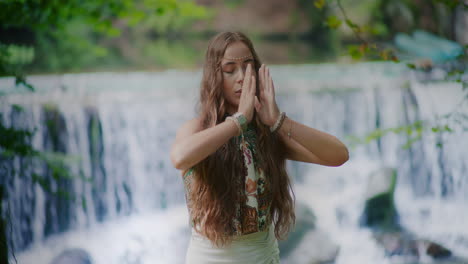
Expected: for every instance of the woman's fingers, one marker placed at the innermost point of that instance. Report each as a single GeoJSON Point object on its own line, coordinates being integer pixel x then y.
{"type": "Point", "coordinates": [272, 87]}
{"type": "Point", "coordinates": [253, 86]}
{"type": "Point", "coordinates": [258, 105]}
{"type": "Point", "coordinates": [247, 79]}
{"type": "Point", "coordinates": [261, 77]}
{"type": "Point", "coordinates": [268, 79]}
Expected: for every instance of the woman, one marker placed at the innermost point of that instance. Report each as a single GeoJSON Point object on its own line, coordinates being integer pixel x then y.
{"type": "Point", "coordinates": [232, 158]}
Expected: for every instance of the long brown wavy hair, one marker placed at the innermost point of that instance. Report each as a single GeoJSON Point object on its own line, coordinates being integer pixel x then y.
{"type": "Point", "coordinates": [217, 181]}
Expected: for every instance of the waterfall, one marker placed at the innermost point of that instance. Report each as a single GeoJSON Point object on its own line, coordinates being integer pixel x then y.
{"type": "Point", "coordinates": [117, 129]}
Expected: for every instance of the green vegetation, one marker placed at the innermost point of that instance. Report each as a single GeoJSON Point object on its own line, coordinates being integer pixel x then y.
{"type": "Point", "coordinates": [386, 22]}
{"type": "Point", "coordinates": [39, 36]}
{"type": "Point", "coordinates": [67, 36]}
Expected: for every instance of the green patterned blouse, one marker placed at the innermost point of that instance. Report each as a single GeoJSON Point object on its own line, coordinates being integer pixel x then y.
{"type": "Point", "coordinates": [253, 215]}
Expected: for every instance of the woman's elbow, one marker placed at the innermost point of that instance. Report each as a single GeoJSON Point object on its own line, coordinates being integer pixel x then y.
{"type": "Point", "coordinates": [176, 160]}
{"type": "Point", "coordinates": [342, 158]}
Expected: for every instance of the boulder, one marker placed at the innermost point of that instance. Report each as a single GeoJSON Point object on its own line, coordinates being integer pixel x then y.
{"type": "Point", "coordinates": [306, 243]}
{"type": "Point", "coordinates": [379, 210]}
{"type": "Point", "coordinates": [405, 244]}
{"type": "Point", "coordinates": [73, 256]}
{"type": "Point", "coordinates": [305, 222]}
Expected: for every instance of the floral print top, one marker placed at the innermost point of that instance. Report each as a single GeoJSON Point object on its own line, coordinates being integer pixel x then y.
{"type": "Point", "coordinates": [254, 214]}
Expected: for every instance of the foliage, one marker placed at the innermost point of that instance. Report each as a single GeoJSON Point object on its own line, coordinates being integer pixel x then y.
{"type": "Point", "coordinates": [70, 35]}
{"type": "Point", "coordinates": [61, 35]}
{"type": "Point", "coordinates": [374, 51]}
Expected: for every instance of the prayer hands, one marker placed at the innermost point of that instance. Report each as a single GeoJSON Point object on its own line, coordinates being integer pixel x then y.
{"type": "Point", "coordinates": [247, 99]}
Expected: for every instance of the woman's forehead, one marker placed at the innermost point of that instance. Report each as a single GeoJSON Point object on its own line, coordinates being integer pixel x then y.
{"type": "Point", "coordinates": [237, 51]}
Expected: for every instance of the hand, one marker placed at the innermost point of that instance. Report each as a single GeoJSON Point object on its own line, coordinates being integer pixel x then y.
{"type": "Point", "coordinates": [266, 107]}
{"type": "Point", "coordinates": [247, 99]}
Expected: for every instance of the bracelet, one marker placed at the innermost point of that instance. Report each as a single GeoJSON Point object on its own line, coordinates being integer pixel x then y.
{"type": "Point", "coordinates": [242, 120]}
{"type": "Point", "coordinates": [235, 122]}
{"type": "Point", "coordinates": [278, 123]}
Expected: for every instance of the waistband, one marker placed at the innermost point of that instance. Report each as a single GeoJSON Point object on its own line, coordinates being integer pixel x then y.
{"type": "Point", "coordinates": [259, 236]}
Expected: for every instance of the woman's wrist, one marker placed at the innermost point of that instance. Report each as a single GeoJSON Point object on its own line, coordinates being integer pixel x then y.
{"type": "Point", "coordinates": [240, 120]}
{"type": "Point", "coordinates": [278, 123]}
{"type": "Point", "coordinates": [240, 117]}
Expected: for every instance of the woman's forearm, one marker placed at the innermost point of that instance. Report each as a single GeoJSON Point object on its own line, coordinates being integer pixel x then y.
{"type": "Point", "coordinates": [196, 147]}
{"type": "Point", "coordinates": [325, 146]}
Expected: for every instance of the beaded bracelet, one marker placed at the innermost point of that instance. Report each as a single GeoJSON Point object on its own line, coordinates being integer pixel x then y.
{"type": "Point", "coordinates": [240, 121]}
{"type": "Point", "coordinates": [278, 123]}
{"type": "Point", "coordinates": [235, 122]}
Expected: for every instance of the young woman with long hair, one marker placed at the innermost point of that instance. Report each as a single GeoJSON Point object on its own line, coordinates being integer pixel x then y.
{"type": "Point", "coordinates": [233, 158]}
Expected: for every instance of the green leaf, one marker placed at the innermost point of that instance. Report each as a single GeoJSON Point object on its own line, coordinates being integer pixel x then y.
{"type": "Point", "coordinates": [319, 4]}
{"type": "Point", "coordinates": [447, 128]}
{"type": "Point", "coordinates": [160, 11]}
{"type": "Point", "coordinates": [351, 24]}
{"type": "Point", "coordinates": [411, 66]}
{"type": "Point", "coordinates": [409, 130]}
{"type": "Point", "coordinates": [386, 54]}
{"type": "Point", "coordinates": [333, 22]}
{"type": "Point", "coordinates": [379, 29]}
{"type": "Point", "coordinates": [355, 52]}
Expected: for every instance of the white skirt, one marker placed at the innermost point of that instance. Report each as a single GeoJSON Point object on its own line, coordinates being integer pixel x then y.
{"type": "Point", "coordinates": [255, 248]}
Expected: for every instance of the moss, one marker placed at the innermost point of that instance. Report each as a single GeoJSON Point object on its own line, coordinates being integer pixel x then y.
{"type": "Point", "coordinates": [380, 211]}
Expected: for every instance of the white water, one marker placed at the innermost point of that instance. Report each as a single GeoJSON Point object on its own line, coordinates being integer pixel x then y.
{"type": "Point", "coordinates": [140, 113]}
{"type": "Point", "coordinates": [157, 237]}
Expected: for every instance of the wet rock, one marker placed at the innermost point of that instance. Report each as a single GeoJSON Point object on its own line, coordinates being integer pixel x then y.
{"type": "Point", "coordinates": [306, 243]}
{"type": "Point", "coordinates": [380, 214]}
{"type": "Point", "coordinates": [305, 222]}
{"type": "Point", "coordinates": [379, 211]}
{"type": "Point", "coordinates": [73, 256]}
{"type": "Point", "coordinates": [404, 244]}
{"type": "Point", "coordinates": [437, 251]}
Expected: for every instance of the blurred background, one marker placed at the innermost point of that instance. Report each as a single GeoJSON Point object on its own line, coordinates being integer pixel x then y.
{"type": "Point", "coordinates": [93, 92]}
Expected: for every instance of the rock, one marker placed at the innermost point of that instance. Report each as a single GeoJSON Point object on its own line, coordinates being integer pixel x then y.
{"type": "Point", "coordinates": [404, 244]}
{"type": "Point", "coordinates": [305, 221]}
{"type": "Point", "coordinates": [379, 211]}
{"type": "Point", "coordinates": [437, 251]}
{"type": "Point", "coordinates": [306, 244]}
{"type": "Point", "coordinates": [380, 214]}
{"type": "Point", "coordinates": [73, 256]}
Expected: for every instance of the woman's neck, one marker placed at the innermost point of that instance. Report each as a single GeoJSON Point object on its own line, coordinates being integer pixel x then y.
{"type": "Point", "coordinates": [231, 110]}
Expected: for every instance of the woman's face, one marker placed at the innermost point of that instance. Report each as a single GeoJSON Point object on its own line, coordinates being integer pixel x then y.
{"type": "Point", "coordinates": [233, 65]}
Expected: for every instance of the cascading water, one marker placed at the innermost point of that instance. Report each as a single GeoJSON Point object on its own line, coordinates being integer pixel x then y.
{"type": "Point", "coordinates": [121, 127]}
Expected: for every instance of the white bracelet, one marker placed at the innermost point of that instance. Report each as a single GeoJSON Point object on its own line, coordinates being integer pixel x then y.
{"type": "Point", "coordinates": [233, 119]}
{"type": "Point", "coordinates": [278, 122]}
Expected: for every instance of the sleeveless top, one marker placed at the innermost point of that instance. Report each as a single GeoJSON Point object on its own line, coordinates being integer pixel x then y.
{"type": "Point", "coordinates": [253, 215]}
